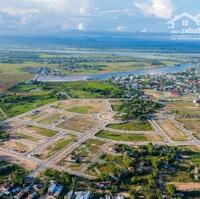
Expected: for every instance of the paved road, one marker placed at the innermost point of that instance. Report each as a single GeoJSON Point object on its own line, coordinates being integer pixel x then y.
{"type": "Point", "coordinates": [81, 138]}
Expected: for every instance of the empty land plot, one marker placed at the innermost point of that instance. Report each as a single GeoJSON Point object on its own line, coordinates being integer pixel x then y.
{"type": "Point", "coordinates": [57, 146]}
{"type": "Point", "coordinates": [37, 114]}
{"type": "Point", "coordinates": [184, 107]}
{"type": "Point", "coordinates": [40, 131]}
{"type": "Point", "coordinates": [191, 125]}
{"type": "Point", "coordinates": [133, 126]}
{"type": "Point", "coordinates": [78, 123]}
{"type": "Point", "coordinates": [154, 137]}
{"type": "Point", "coordinates": [171, 130]}
{"type": "Point", "coordinates": [15, 146]}
{"type": "Point", "coordinates": [10, 126]}
{"type": "Point", "coordinates": [122, 136]}
{"type": "Point", "coordinates": [18, 135]}
{"type": "Point", "coordinates": [87, 106]}
{"type": "Point", "coordinates": [53, 119]}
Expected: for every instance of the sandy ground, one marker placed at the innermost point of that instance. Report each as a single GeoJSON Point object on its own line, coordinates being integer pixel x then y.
{"type": "Point", "coordinates": [187, 186]}
{"type": "Point", "coordinates": [16, 146]}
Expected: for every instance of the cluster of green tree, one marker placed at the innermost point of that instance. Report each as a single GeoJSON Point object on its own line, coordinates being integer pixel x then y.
{"type": "Point", "coordinates": [138, 108]}
{"type": "Point", "coordinates": [60, 177]}
{"type": "Point", "coordinates": [4, 136]}
{"type": "Point", "coordinates": [145, 168]}
{"type": "Point", "coordinates": [12, 172]}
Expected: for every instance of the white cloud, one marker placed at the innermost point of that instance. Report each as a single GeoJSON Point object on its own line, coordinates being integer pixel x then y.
{"type": "Point", "coordinates": [121, 28]}
{"type": "Point", "coordinates": [54, 14]}
{"type": "Point", "coordinates": [158, 8]}
{"type": "Point", "coordinates": [81, 26]}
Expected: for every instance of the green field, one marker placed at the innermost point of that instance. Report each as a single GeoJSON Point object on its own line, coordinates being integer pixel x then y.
{"type": "Point", "coordinates": [132, 126]}
{"type": "Point", "coordinates": [121, 137]}
{"type": "Point", "coordinates": [42, 131]}
{"type": "Point", "coordinates": [26, 137]}
{"type": "Point", "coordinates": [20, 98]}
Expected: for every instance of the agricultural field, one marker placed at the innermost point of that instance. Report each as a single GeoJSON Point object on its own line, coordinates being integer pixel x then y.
{"type": "Point", "coordinates": [172, 130]}
{"type": "Point", "coordinates": [78, 123]}
{"type": "Point", "coordinates": [133, 126]}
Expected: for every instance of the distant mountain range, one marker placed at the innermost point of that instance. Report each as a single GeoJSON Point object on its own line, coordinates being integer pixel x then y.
{"type": "Point", "coordinates": [156, 42]}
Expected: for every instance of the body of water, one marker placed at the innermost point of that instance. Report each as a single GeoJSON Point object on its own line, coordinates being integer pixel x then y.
{"type": "Point", "coordinates": [163, 70]}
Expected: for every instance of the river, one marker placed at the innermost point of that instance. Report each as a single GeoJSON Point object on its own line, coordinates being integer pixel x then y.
{"type": "Point", "coordinates": [68, 78]}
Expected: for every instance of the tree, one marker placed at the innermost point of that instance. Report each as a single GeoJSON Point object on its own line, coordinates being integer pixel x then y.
{"type": "Point", "coordinates": [138, 109]}
{"type": "Point", "coordinates": [171, 189]}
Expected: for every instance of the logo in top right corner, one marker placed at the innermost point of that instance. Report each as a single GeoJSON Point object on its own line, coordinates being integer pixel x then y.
{"type": "Point", "coordinates": [185, 27]}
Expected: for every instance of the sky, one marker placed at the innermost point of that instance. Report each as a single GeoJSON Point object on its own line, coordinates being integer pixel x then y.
{"type": "Point", "coordinates": [43, 16]}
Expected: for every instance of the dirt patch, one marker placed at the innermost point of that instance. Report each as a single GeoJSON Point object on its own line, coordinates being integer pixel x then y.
{"type": "Point", "coordinates": [187, 186]}
{"type": "Point", "coordinates": [16, 146]}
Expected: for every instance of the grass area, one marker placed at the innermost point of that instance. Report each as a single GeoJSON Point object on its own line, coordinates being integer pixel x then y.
{"type": "Point", "coordinates": [26, 137]}
{"type": "Point", "coordinates": [2, 117]}
{"type": "Point", "coordinates": [20, 98]}
{"type": "Point", "coordinates": [17, 104]}
{"type": "Point", "coordinates": [42, 131]}
{"type": "Point", "coordinates": [133, 126]}
{"type": "Point", "coordinates": [61, 144]}
{"type": "Point", "coordinates": [121, 137]}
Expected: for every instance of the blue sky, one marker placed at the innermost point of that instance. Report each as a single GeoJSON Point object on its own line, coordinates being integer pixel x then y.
{"type": "Point", "coordinates": [91, 15]}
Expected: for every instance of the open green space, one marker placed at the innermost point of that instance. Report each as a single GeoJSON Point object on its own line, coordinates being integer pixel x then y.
{"type": "Point", "coordinates": [26, 137]}
{"type": "Point", "coordinates": [20, 99]}
{"type": "Point", "coordinates": [121, 136]}
{"type": "Point", "coordinates": [61, 144]}
{"type": "Point", "coordinates": [133, 126]}
{"type": "Point", "coordinates": [42, 131]}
